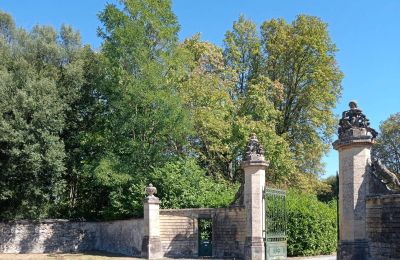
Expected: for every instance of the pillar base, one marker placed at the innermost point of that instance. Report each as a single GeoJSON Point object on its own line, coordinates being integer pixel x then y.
{"type": "Point", "coordinates": [151, 248]}
{"type": "Point", "coordinates": [353, 250]}
{"type": "Point", "coordinates": [254, 248]}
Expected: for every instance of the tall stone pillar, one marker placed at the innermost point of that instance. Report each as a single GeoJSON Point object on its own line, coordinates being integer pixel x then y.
{"type": "Point", "coordinates": [151, 244]}
{"type": "Point", "coordinates": [254, 185]}
{"type": "Point", "coordinates": [354, 147]}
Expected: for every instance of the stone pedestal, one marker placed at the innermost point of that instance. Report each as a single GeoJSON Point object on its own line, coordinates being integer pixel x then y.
{"type": "Point", "coordinates": [254, 170]}
{"type": "Point", "coordinates": [354, 156]}
{"type": "Point", "coordinates": [151, 244]}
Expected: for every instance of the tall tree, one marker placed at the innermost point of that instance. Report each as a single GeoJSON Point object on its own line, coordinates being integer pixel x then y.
{"type": "Point", "coordinates": [206, 93]}
{"type": "Point", "coordinates": [143, 125]}
{"type": "Point", "coordinates": [222, 122]}
{"type": "Point", "coordinates": [40, 75]}
{"type": "Point", "coordinates": [387, 147]}
{"type": "Point", "coordinates": [301, 57]}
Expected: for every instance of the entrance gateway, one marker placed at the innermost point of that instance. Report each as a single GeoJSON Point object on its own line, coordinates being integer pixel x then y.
{"type": "Point", "coordinates": [205, 236]}
{"type": "Point", "coordinates": [275, 237]}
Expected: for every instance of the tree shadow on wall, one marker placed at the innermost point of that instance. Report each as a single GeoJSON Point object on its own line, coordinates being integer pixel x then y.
{"type": "Point", "coordinates": [182, 245]}
{"type": "Point", "coordinates": [48, 237]}
{"type": "Point", "coordinates": [70, 237]}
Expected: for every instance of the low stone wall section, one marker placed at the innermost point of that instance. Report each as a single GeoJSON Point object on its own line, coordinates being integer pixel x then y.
{"type": "Point", "coordinates": [122, 236]}
{"type": "Point", "coordinates": [179, 231]}
{"type": "Point", "coordinates": [383, 226]}
{"type": "Point", "coordinates": [178, 234]}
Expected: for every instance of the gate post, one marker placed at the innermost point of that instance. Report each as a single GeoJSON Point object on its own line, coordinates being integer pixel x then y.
{"type": "Point", "coordinates": [354, 146]}
{"type": "Point", "coordinates": [151, 244]}
{"type": "Point", "coordinates": [254, 185]}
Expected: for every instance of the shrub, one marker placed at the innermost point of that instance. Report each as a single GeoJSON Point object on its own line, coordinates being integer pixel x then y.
{"type": "Point", "coordinates": [312, 226]}
{"type": "Point", "coordinates": [183, 184]}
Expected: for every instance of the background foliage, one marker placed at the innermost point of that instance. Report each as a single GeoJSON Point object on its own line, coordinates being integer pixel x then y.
{"type": "Point", "coordinates": [83, 132]}
{"type": "Point", "coordinates": [312, 225]}
{"type": "Point", "coordinates": [387, 147]}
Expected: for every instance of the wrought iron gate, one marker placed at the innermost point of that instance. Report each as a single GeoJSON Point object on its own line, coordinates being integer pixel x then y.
{"type": "Point", "coordinates": [275, 224]}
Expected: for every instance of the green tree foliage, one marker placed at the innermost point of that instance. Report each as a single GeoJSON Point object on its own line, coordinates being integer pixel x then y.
{"type": "Point", "coordinates": [387, 147]}
{"type": "Point", "coordinates": [142, 125]}
{"type": "Point", "coordinates": [293, 64]}
{"type": "Point", "coordinates": [301, 57]}
{"type": "Point", "coordinates": [144, 111]}
{"type": "Point", "coordinates": [312, 225]}
{"type": "Point", "coordinates": [205, 92]}
{"type": "Point", "coordinates": [40, 77]}
{"type": "Point", "coordinates": [183, 184]}
{"type": "Point", "coordinates": [83, 132]}
{"type": "Point", "coordinates": [330, 191]}
{"type": "Point", "coordinates": [243, 53]}
{"type": "Point", "coordinates": [222, 121]}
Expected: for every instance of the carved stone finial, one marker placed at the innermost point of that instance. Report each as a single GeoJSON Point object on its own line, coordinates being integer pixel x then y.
{"type": "Point", "coordinates": [254, 148]}
{"type": "Point", "coordinates": [353, 104]}
{"type": "Point", "coordinates": [354, 119]}
{"type": "Point", "coordinates": [151, 190]}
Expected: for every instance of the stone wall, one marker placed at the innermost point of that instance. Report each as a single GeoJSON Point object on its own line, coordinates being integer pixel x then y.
{"type": "Point", "coordinates": [179, 231]}
{"type": "Point", "coordinates": [122, 237]}
{"type": "Point", "coordinates": [383, 226]}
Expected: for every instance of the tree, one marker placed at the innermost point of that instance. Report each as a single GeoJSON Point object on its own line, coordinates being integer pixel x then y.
{"type": "Point", "coordinates": [300, 57]}
{"type": "Point", "coordinates": [205, 91]}
{"type": "Point", "coordinates": [222, 122]}
{"type": "Point", "coordinates": [142, 124]}
{"type": "Point", "coordinates": [40, 75]}
{"type": "Point", "coordinates": [298, 61]}
{"type": "Point", "coordinates": [387, 147]}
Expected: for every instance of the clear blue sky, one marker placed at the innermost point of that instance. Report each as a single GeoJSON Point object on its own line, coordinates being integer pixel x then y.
{"type": "Point", "coordinates": [367, 34]}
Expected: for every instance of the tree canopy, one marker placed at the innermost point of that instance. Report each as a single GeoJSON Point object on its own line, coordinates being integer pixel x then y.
{"type": "Point", "coordinates": [387, 147]}
{"type": "Point", "coordinates": [41, 75]}
{"type": "Point", "coordinates": [82, 132]}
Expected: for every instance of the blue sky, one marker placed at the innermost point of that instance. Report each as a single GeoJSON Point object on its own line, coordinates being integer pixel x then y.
{"type": "Point", "coordinates": [367, 34]}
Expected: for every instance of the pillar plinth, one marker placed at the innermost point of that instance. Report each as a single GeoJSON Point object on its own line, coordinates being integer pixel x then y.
{"type": "Point", "coordinates": [151, 243]}
{"type": "Point", "coordinates": [254, 171]}
{"type": "Point", "coordinates": [354, 146]}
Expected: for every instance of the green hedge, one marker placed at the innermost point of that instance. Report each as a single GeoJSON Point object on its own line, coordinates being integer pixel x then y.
{"type": "Point", "coordinates": [311, 225]}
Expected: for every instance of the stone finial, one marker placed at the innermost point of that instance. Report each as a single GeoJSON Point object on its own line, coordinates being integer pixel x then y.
{"type": "Point", "coordinates": [254, 148]}
{"type": "Point", "coordinates": [151, 190]}
{"type": "Point", "coordinates": [352, 119]}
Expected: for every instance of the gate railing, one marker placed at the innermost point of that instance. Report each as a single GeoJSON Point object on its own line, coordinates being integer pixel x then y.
{"type": "Point", "coordinates": [275, 224]}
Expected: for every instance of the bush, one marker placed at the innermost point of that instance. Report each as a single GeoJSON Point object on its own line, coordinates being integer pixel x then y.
{"type": "Point", "coordinates": [312, 226]}
{"type": "Point", "coordinates": [183, 184]}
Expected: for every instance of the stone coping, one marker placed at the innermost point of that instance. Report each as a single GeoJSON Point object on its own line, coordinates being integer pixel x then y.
{"type": "Point", "coordinates": [202, 209]}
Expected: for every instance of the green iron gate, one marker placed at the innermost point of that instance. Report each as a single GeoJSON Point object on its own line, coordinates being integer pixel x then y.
{"type": "Point", "coordinates": [275, 224]}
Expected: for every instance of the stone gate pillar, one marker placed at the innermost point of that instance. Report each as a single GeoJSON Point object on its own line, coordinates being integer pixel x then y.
{"type": "Point", "coordinates": [151, 244]}
{"type": "Point", "coordinates": [254, 185]}
{"type": "Point", "coordinates": [354, 146]}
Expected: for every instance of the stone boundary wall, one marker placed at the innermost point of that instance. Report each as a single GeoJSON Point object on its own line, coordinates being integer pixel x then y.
{"type": "Point", "coordinates": [179, 231]}
{"type": "Point", "coordinates": [45, 236]}
{"type": "Point", "coordinates": [383, 226]}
